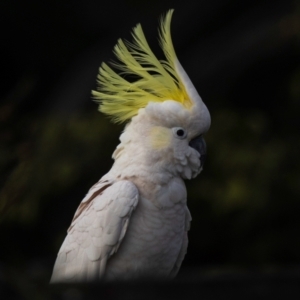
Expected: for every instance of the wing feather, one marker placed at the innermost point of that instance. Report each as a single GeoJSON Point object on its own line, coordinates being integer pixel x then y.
{"type": "Point", "coordinates": [185, 241]}
{"type": "Point", "coordinates": [96, 232]}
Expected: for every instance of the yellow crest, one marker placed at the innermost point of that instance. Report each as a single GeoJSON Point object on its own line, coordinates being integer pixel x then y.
{"type": "Point", "coordinates": [157, 80]}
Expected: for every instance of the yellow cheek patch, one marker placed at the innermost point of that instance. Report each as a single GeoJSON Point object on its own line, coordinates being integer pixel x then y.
{"type": "Point", "coordinates": [160, 137]}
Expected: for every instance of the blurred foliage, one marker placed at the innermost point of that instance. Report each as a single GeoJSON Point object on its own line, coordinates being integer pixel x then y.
{"type": "Point", "coordinates": [54, 157]}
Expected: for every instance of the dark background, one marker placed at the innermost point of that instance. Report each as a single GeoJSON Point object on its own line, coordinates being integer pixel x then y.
{"type": "Point", "coordinates": [242, 56]}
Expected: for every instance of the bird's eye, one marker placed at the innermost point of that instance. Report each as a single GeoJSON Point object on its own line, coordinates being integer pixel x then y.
{"type": "Point", "coordinates": [179, 132]}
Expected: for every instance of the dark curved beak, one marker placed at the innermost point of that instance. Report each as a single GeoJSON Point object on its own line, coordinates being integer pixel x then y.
{"type": "Point", "coordinates": [198, 143]}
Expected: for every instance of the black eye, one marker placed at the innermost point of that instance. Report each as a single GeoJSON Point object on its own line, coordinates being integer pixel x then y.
{"type": "Point", "coordinates": [179, 132]}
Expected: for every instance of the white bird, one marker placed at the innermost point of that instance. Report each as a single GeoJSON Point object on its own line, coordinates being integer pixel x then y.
{"type": "Point", "coordinates": [133, 223]}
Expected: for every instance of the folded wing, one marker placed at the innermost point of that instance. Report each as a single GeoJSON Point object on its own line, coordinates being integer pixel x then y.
{"type": "Point", "coordinates": [96, 232]}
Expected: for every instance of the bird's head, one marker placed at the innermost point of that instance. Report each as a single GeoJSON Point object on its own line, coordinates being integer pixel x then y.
{"type": "Point", "coordinates": [167, 116]}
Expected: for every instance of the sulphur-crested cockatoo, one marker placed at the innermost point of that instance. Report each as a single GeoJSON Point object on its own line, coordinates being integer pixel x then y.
{"type": "Point", "coordinates": [133, 222]}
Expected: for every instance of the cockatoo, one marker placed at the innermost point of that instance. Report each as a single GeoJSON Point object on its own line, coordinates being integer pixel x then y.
{"type": "Point", "coordinates": [133, 222]}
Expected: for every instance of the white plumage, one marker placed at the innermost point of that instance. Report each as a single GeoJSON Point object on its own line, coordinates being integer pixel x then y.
{"type": "Point", "coordinates": [133, 223]}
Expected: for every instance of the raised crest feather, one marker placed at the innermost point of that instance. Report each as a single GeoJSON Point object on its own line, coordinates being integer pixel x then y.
{"type": "Point", "coordinates": [156, 80]}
